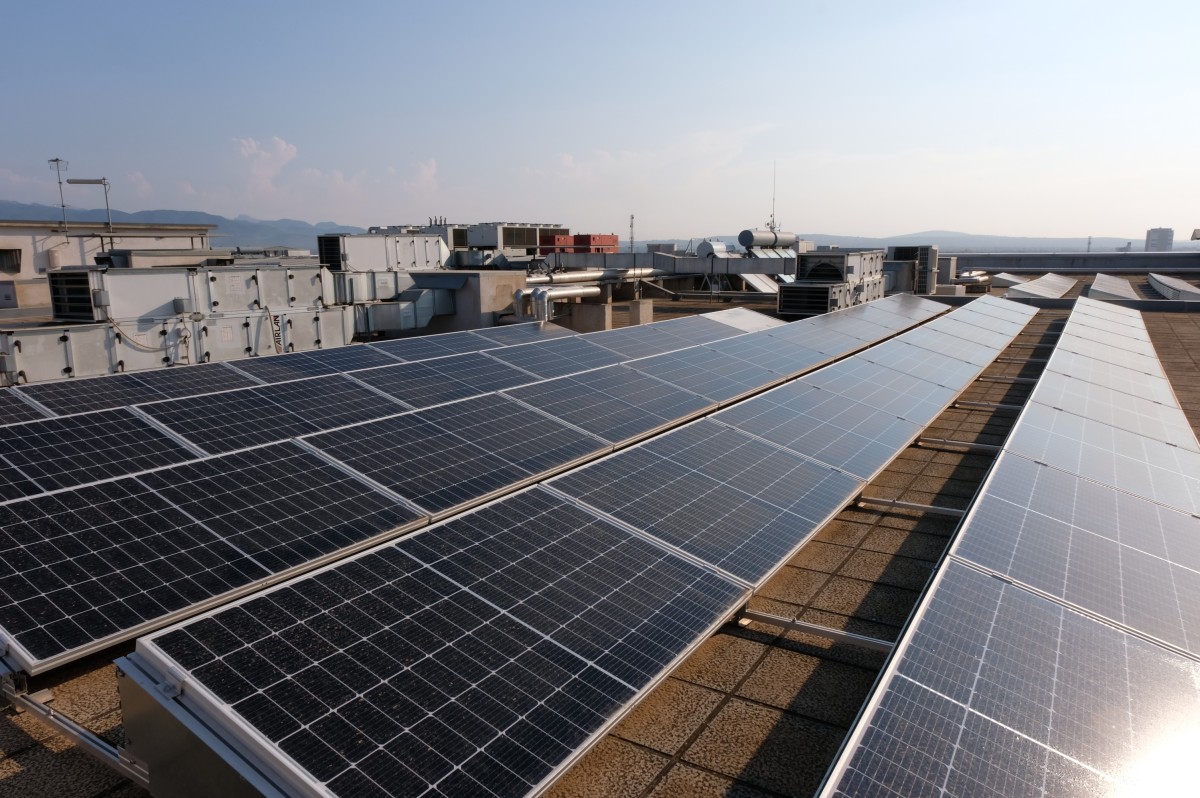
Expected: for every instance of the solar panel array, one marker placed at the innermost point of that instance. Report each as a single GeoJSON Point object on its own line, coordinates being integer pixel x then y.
{"type": "Point", "coordinates": [1059, 650]}
{"type": "Point", "coordinates": [1174, 288]}
{"type": "Point", "coordinates": [745, 489]}
{"type": "Point", "coordinates": [1106, 286]}
{"type": "Point", "coordinates": [354, 434]}
{"type": "Point", "coordinates": [1048, 286]}
{"type": "Point", "coordinates": [642, 638]}
{"type": "Point", "coordinates": [482, 654]}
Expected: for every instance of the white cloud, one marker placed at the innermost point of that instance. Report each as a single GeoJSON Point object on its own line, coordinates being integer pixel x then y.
{"type": "Point", "coordinates": [266, 162]}
{"type": "Point", "coordinates": [186, 188]}
{"type": "Point", "coordinates": [139, 184]}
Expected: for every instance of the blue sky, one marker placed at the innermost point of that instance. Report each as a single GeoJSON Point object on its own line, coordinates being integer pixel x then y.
{"type": "Point", "coordinates": [1017, 118]}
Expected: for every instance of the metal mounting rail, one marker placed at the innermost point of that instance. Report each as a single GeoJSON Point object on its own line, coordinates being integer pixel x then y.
{"type": "Point", "coordinates": [874, 644]}
{"type": "Point", "coordinates": [1022, 360]}
{"type": "Point", "coordinates": [1017, 380]}
{"type": "Point", "coordinates": [86, 739]}
{"type": "Point", "coordinates": [989, 406]}
{"type": "Point", "coordinates": [896, 504]}
{"type": "Point", "coordinates": [969, 446]}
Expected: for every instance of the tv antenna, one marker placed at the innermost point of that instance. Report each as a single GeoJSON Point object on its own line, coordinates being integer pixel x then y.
{"type": "Point", "coordinates": [631, 233]}
{"type": "Point", "coordinates": [771, 225]}
{"type": "Point", "coordinates": [60, 166]}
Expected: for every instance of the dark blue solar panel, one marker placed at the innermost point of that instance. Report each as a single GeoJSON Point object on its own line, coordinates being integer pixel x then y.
{"type": "Point", "coordinates": [728, 499]}
{"type": "Point", "coordinates": [74, 450]}
{"type": "Point", "coordinates": [178, 381]}
{"type": "Point", "coordinates": [13, 409]}
{"type": "Point", "coordinates": [713, 375]}
{"type": "Point", "coordinates": [426, 347]}
{"type": "Point", "coordinates": [617, 403]}
{"type": "Point", "coordinates": [391, 673]}
{"type": "Point", "coordinates": [277, 368]}
{"type": "Point", "coordinates": [93, 393]}
{"type": "Point", "coordinates": [445, 379]}
{"type": "Point", "coordinates": [557, 357]}
{"type": "Point", "coordinates": [444, 457]}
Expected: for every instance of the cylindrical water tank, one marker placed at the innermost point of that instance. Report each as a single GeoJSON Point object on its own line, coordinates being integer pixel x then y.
{"type": "Point", "coordinates": [710, 249]}
{"type": "Point", "coordinates": [767, 238]}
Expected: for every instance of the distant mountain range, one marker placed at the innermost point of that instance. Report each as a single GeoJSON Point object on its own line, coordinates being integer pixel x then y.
{"type": "Point", "coordinates": [246, 232]}
{"type": "Point", "coordinates": [240, 232]}
{"type": "Point", "coordinates": [949, 242]}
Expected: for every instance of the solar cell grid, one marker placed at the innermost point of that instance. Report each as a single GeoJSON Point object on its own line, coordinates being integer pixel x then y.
{"type": "Point", "coordinates": [699, 329]}
{"type": "Point", "coordinates": [1092, 546]}
{"type": "Point", "coordinates": [178, 381]}
{"type": "Point", "coordinates": [1111, 353]}
{"type": "Point", "coordinates": [706, 372]}
{"type": "Point", "coordinates": [976, 327]}
{"type": "Point", "coordinates": [762, 350]}
{"type": "Point", "coordinates": [510, 335]}
{"type": "Point", "coordinates": [939, 341]}
{"type": "Point", "coordinates": [426, 347]}
{"type": "Point", "coordinates": [93, 393]}
{"type": "Point", "coordinates": [328, 402]}
{"type": "Point", "coordinates": [948, 371]}
{"type": "Point", "coordinates": [297, 365]}
{"type": "Point", "coordinates": [14, 484]}
{"type": "Point", "coordinates": [282, 505]}
{"type": "Point", "coordinates": [616, 403]}
{"type": "Point", "coordinates": [1097, 371]}
{"type": "Point", "coordinates": [1125, 460]}
{"type": "Point", "coordinates": [73, 450]}
{"type": "Point", "coordinates": [1143, 416]}
{"type": "Point", "coordinates": [100, 561]}
{"type": "Point", "coordinates": [817, 337]}
{"type": "Point", "coordinates": [640, 341]}
{"type": "Point", "coordinates": [441, 688]}
{"type": "Point", "coordinates": [557, 357]}
{"type": "Point", "coordinates": [223, 422]}
{"type": "Point", "coordinates": [1125, 327]}
{"type": "Point", "coordinates": [724, 497]}
{"type": "Point", "coordinates": [13, 409]}
{"type": "Point", "coordinates": [446, 379]}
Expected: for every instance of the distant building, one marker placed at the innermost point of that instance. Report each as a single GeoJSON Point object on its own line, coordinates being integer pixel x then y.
{"type": "Point", "coordinates": [667, 248]}
{"type": "Point", "coordinates": [1160, 239]}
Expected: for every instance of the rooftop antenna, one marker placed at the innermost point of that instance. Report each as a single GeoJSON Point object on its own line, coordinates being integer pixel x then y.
{"type": "Point", "coordinates": [631, 233]}
{"type": "Point", "coordinates": [60, 166]}
{"type": "Point", "coordinates": [771, 224]}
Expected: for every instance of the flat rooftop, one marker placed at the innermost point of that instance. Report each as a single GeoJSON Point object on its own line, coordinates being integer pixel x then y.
{"type": "Point", "coordinates": [756, 710]}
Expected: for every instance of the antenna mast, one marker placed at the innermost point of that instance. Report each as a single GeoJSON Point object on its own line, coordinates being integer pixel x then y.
{"type": "Point", "coordinates": [771, 224]}
{"type": "Point", "coordinates": [60, 166]}
{"type": "Point", "coordinates": [631, 234]}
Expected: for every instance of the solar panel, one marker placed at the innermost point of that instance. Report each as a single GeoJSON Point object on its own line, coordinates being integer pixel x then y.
{"type": "Point", "coordinates": [1093, 546]}
{"type": "Point", "coordinates": [911, 307]}
{"type": "Point", "coordinates": [14, 484]}
{"type": "Point", "coordinates": [282, 505]}
{"type": "Point", "coordinates": [616, 403]}
{"type": "Point", "coordinates": [432, 459]}
{"type": "Point", "coordinates": [178, 381]}
{"type": "Point", "coordinates": [1116, 457]}
{"type": "Point", "coordinates": [640, 341]}
{"type": "Point", "coordinates": [223, 422]}
{"type": "Point", "coordinates": [935, 366]}
{"type": "Point", "coordinates": [297, 365]}
{"type": "Point", "coordinates": [711, 491]}
{"type": "Point", "coordinates": [1109, 337]}
{"type": "Point", "coordinates": [13, 409]}
{"type": "Point", "coordinates": [977, 327]}
{"type": "Point", "coordinates": [512, 334]}
{"type": "Point", "coordinates": [938, 341]}
{"type": "Point", "coordinates": [709, 373]}
{"type": "Point", "coordinates": [558, 356]}
{"type": "Point", "coordinates": [825, 426]}
{"type": "Point", "coordinates": [816, 337]}
{"type": "Point", "coordinates": [762, 350]}
{"type": "Point", "coordinates": [995, 676]}
{"type": "Point", "coordinates": [328, 402]}
{"type": "Point", "coordinates": [699, 329]}
{"type": "Point", "coordinates": [1127, 328]}
{"type": "Point", "coordinates": [445, 379]}
{"type": "Point", "coordinates": [426, 347]}
{"type": "Point", "coordinates": [1106, 286]}
{"type": "Point", "coordinates": [852, 326]}
{"type": "Point", "coordinates": [93, 393]}
{"type": "Point", "coordinates": [94, 565]}
{"type": "Point", "coordinates": [74, 450]}
{"type": "Point", "coordinates": [1098, 372]}
{"type": "Point", "coordinates": [1143, 416]}
{"type": "Point", "coordinates": [471, 660]}
{"type": "Point", "coordinates": [890, 392]}
{"type": "Point", "coordinates": [1112, 354]}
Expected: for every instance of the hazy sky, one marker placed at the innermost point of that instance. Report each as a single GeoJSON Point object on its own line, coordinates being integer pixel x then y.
{"type": "Point", "coordinates": [1049, 118]}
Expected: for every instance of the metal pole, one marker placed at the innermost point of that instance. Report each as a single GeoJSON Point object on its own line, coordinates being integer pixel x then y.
{"type": "Point", "coordinates": [58, 165]}
{"type": "Point", "coordinates": [107, 209]}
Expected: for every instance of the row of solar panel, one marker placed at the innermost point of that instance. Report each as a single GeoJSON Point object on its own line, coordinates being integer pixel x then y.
{"type": "Point", "coordinates": [1049, 680]}
{"type": "Point", "coordinates": [121, 390]}
{"type": "Point", "coordinates": [479, 655]}
{"type": "Point", "coordinates": [70, 551]}
{"type": "Point", "coordinates": [74, 450]}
